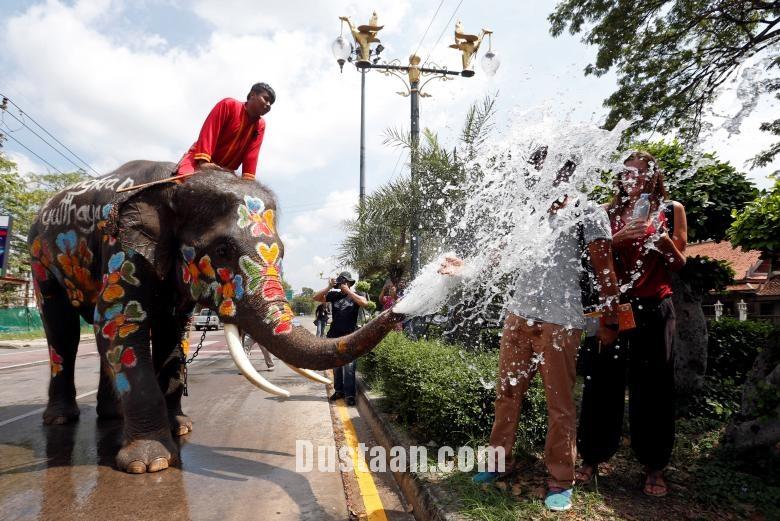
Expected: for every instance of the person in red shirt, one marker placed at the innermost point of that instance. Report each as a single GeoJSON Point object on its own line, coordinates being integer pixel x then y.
{"type": "Point", "coordinates": [231, 135]}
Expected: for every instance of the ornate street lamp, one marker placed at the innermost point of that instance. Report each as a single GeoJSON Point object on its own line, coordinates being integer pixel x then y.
{"type": "Point", "coordinates": [742, 309]}
{"type": "Point", "coordinates": [718, 310]}
{"type": "Point", "coordinates": [415, 76]}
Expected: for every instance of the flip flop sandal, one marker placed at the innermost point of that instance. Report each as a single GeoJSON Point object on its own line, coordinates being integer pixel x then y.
{"type": "Point", "coordinates": [655, 482]}
{"type": "Point", "coordinates": [584, 478]}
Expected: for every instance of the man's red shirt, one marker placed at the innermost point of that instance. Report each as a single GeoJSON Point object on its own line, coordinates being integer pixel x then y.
{"type": "Point", "coordinates": [229, 138]}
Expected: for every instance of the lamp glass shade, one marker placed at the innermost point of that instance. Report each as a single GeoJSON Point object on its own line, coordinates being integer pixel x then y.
{"type": "Point", "coordinates": [341, 48]}
{"type": "Point", "coordinates": [490, 63]}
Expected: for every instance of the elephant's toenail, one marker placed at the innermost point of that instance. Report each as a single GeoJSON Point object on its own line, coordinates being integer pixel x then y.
{"type": "Point", "coordinates": [136, 467]}
{"type": "Point", "coordinates": [158, 464]}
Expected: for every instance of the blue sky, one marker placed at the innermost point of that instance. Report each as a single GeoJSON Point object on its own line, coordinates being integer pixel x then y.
{"type": "Point", "coordinates": [121, 80]}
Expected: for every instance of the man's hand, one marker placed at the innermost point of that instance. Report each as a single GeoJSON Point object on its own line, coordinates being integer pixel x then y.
{"type": "Point", "coordinates": [344, 287]}
{"type": "Point", "coordinates": [212, 166]}
{"type": "Point", "coordinates": [451, 266]}
{"type": "Point", "coordinates": [606, 335]}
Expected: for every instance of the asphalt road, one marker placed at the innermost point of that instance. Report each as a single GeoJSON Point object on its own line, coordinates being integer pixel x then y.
{"type": "Point", "coordinates": [238, 463]}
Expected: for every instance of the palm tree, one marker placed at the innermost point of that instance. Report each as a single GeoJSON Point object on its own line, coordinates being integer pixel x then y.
{"type": "Point", "coordinates": [377, 241]}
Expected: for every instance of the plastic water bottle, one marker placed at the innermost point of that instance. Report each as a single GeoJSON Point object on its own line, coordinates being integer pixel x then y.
{"type": "Point", "coordinates": [642, 208]}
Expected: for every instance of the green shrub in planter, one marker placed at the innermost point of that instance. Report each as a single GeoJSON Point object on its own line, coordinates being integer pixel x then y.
{"type": "Point", "coordinates": [733, 346]}
{"type": "Point", "coordinates": [445, 393]}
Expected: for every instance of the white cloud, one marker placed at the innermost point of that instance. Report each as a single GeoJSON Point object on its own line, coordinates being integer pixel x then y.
{"type": "Point", "coordinates": [25, 165]}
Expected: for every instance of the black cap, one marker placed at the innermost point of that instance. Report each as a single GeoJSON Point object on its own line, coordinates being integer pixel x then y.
{"type": "Point", "coordinates": [346, 275]}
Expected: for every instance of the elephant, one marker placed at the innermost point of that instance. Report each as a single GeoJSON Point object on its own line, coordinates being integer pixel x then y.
{"type": "Point", "coordinates": [134, 264]}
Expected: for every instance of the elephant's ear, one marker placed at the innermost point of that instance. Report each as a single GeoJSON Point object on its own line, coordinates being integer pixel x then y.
{"type": "Point", "coordinates": [143, 222]}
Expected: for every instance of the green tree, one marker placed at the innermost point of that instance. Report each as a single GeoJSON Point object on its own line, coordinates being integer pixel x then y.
{"type": "Point", "coordinates": [709, 189]}
{"type": "Point", "coordinates": [307, 292]}
{"type": "Point", "coordinates": [672, 56]}
{"type": "Point", "coordinates": [377, 243]}
{"type": "Point", "coordinates": [757, 226]}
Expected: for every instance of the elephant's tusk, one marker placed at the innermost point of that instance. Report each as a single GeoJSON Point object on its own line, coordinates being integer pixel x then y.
{"type": "Point", "coordinates": [242, 362]}
{"type": "Point", "coordinates": [311, 375]}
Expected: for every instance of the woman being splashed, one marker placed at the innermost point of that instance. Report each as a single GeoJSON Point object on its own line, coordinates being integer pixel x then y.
{"type": "Point", "coordinates": [648, 241]}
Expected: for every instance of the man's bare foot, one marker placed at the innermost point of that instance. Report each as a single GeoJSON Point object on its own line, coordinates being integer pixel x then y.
{"type": "Point", "coordinates": [655, 484]}
{"type": "Point", "coordinates": [584, 474]}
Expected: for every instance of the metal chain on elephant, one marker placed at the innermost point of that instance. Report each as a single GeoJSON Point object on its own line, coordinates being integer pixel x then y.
{"type": "Point", "coordinates": [184, 361]}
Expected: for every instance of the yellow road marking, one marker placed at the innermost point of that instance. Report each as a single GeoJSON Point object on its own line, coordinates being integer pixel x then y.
{"type": "Point", "coordinates": [373, 503]}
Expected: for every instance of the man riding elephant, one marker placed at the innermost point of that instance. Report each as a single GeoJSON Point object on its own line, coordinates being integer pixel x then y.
{"type": "Point", "coordinates": [135, 264]}
{"type": "Point", "coordinates": [232, 134]}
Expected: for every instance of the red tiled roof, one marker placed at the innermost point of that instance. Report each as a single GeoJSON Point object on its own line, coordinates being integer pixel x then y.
{"type": "Point", "coordinates": [771, 288]}
{"type": "Point", "coordinates": [741, 262]}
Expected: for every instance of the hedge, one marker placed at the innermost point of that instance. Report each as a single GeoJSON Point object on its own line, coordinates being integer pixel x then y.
{"type": "Point", "coordinates": [733, 346]}
{"type": "Point", "coordinates": [446, 394]}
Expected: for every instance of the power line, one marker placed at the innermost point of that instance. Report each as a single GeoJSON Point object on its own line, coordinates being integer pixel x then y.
{"type": "Point", "coordinates": [23, 113]}
{"type": "Point", "coordinates": [429, 26]}
{"type": "Point", "coordinates": [6, 111]}
{"type": "Point", "coordinates": [442, 33]}
{"type": "Point", "coordinates": [33, 153]}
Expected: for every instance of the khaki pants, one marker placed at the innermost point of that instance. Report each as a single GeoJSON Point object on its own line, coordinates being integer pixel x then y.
{"type": "Point", "coordinates": [523, 347]}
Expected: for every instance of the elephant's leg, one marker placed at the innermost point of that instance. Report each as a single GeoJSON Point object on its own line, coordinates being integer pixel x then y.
{"type": "Point", "coordinates": [108, 405]}
{"type": "Point", "coordinates": [61, 324]}
{"type": "Point", "coordinates": [124, 322]}
{"type": "Point", "coordinates": [168, 334]}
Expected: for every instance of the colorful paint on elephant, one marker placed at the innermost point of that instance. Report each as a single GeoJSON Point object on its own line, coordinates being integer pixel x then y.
{"type": "Point", "coordinates": [119, 270]}
{"type": "Point", "coordinates": [121, 322]}
{"type": "Point", "coordinates": [101, 225]}
{"type": "Point", "coordinates": [193, 272]}
{"type": "Point", "coordinates": [279, 316]}
{"type": "Point", "coordinates": [55, 362]}
{"type": "Point", "coordinates": [119, 358]}
{"type": "Point", "coordinates": [229, 288]}
{"type": "Point", "coordinates": [42, 263]}
{"type": "Point", "coordinates": [75, 259]}
{"type": "Point", "coordinates": [254, 215]}
{"type": "Point", "coordinates": [265, 276]}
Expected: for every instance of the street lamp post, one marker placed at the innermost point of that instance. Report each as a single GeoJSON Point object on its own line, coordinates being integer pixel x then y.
{"type": "Point", "coordinates": [366, 58]}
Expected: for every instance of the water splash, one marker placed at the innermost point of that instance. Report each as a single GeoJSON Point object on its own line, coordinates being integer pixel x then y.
{"type": "Point", "coordinates": [501, 229]}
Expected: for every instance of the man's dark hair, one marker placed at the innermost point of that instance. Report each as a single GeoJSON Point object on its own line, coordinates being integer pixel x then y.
{"type": "Point", "coordinates": [259, 87]}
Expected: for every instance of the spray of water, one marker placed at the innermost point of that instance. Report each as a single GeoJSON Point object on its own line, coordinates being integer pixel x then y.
{"type": "Point", "coordinates": [501, 230]}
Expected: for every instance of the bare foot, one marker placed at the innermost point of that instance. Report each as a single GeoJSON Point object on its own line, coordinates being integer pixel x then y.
{"type": "Point", "coordinates": [584, 474]}
{"type": "Point", "coordinates": [655, 485]}
{"type": "Point", "coordinates": [180, 424]}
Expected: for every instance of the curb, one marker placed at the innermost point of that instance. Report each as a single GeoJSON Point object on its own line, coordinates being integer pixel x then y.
{"type": "Point", "coordinates": [429, 502]}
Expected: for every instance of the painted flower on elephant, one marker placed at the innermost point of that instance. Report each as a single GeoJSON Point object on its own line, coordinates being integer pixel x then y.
{"type": "Point", "coordinates": [101, 225]}
{"type": "Point", "coordinates": [279, 315]}
{"type": "Point", "coordinates": [122, 322]}
{"type": "Point", "coordinates": [267, 274]}
{"type": "Point", "coordinates": [75, 259]}
{"type": "Point", "coordinates": [55, 362]}
{"type": "Point", "coordinates": [42, 264]}
{"type": "Point", "coordinates": [119, 269]}
{"type": "Point", "coordinates": [75, 295]}
{"type": "Point", "coordinates": [229, 288]}
{"type": "Point", "coordinates": [254, 215]}
{"type": "Point", "coordinates": [191, 272]}
{"type": "Point", "coordinates": [119, 358]}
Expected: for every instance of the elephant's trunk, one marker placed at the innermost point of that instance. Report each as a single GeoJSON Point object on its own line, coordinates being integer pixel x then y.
{"type": "Point", "coordinates": [298, 347]}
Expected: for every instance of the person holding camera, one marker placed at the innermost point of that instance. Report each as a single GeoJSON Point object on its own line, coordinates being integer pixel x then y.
{"type": "Point", "coordinates": [345, 306]}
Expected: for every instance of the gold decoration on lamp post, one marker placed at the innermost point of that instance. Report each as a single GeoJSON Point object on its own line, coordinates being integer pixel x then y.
{"type": "Point", "coordinates": [468, 45]}
{"type": "Point", "coordinates": [364, 36]}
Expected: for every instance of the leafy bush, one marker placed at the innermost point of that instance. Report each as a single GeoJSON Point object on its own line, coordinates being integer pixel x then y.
{"type": "Point", "coordinates": [446, 394]}
{"type": "Point", "coordinates": [733, 346]}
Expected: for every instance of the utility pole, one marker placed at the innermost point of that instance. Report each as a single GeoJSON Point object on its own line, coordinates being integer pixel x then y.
{"type": "Point", "coordinates": [366, 58]}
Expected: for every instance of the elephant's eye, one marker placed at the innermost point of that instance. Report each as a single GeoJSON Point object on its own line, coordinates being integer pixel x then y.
{"type": "Point", "coordinates": [222, 250]}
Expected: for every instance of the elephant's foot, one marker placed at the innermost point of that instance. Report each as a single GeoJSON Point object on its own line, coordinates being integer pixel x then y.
{"type": "Point", "coordinates": [60, 413]}
{"type": "Point", "coordinates": [180, 423]}
{"type": "Point", "coordinates": [108, 409]}
{"type": "Point", "coordinates": [140, 456]}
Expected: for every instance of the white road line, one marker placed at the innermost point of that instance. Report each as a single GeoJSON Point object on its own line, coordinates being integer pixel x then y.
{"type": "Point", "coordinates": [17, 351]}
{"type": "Point", "coordinates": [41, 362]}
{"type": "Point", "coordinates": [38, 411]}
